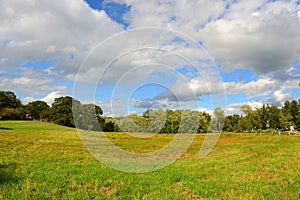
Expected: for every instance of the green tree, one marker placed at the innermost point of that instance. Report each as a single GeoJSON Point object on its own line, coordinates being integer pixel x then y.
{"type": "Point", "coordinates": [37, 109]}
{"type": "Point", "coordinates": [217, 120]}
{"type": "Point", "coordinates": [10, 106]}
{"type": "Point", "coordinates": [274, 115]}
{"type": "Point", "coordinates": [286, 117]}
{"type": "Point", "coordinates": [87, 116]}
{"type": "Point", "coordinates": [204, 122]}
{"type": "Point", "coordinates": [61, 111]}
{"type": "Point", "coordinates": [173, 121]}
{"type": "Point", "coordinates": [294, 111]}
{"type": "Point", "coordinates": [189, 121]}
{"type": "Point", "coordinates": [264, 116]}
{"type": "Point", "coordinates": [8, 99]}
{"type": "Point", "coordinates": [109, 125]}
{"type": "Point", "coordinates": [246, 123]}
{"type": "Point", "coordinates": [13, 113]}
{"type": "Point", "coordinates": [231, 123]}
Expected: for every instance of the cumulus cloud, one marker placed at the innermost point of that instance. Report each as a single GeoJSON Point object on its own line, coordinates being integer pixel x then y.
{"type": "Point", "coordinates": [36, 31]}
{"type": "Point", "coordinates": [49, 99]}
{"type": "Point", "coordinates": [235, 108]}
{"type": "Point", "coordinates": [30, 83]}
{"type": "Point", "coordinates": [33, 30]}
{"type": "Point", "coordinates": [258, 35]}
{"type": "Point", "coordinates": [279, 97]}
{"type": "Point", "coordinates": [264, 40]}
{"type": "Point", "coordinates": [259, 88]}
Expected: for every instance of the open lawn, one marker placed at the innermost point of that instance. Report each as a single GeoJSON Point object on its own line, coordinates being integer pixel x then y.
{"type": "Point", "coordinates": [45, 161]}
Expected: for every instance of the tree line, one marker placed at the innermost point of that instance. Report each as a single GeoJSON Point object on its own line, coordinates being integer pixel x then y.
{"type": "Point", "coordinates": [60, 112]}
{"type": "Point", "coordinates": [89, 117]}
{"type": "Point", "coordinates": [268, 117]}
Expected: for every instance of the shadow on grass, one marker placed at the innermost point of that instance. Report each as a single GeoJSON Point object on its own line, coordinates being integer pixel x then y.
{"type": "Point", "coordinates": [4, 128]}
{"type": "Point", "coordinates": [7, 173]}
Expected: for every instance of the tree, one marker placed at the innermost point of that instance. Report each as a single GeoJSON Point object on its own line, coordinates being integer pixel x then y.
{"type": "Point", "coordinates": [264, 116]}
{"type": "Point", "coordinates": [294, 111]}
{"type": "Point", "coordinates": [8, 99]}
{"type": "Point", "coordinates": [173, 121]}
{"type": "Point", "coordinates": [204, 121]}
{"type": "Point", "coordinates": [109, 125]}
{"type": "Point", "coordinates": [231, 123]}
{"type": "Point", "coordinates": [12, 113]}
{"type": "Point", "coordinates": [246, 123]}
{"type": "Point", "coordinates": [274, 115]}
{"type": "Point", "coordinates": [286, 117]}
{"type": "Point", "coordinates": [189, 121]}
{"type": "Point", "coordinates": [217, 120]}
{"type": "Point", "coordinates": [87, 116]}
{"type": "Point", "coordinates": [61, 111]}
{"type": "Point", "coordinates": [10, 106]}
{"type": "Point", "coordinates": [37, 109]}
{"type": "Point", "coordinates": [247, 109]}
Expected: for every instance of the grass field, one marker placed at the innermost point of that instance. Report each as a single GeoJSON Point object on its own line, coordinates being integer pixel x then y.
{"type": "Point", "coordinates": [45, 161]}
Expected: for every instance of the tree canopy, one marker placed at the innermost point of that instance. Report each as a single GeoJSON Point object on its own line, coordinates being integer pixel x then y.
{"type": "Point", "coordinates": [68, 111]}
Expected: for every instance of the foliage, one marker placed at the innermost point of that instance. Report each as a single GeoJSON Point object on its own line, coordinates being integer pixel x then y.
{"type": "Point", "coordinates": [8, 99]}
{"type": "Point", "coordinates": [163, 121]}
{"type": "Point", "coordinates": [61, 111]}
{"type": "Point", "coordinates": [87, 116]}
{"type": "Point", "coordinates": [217, 120]}
{"type": "Point", "coordinates": [268, 117]}
{"type": "Point", "coordinates": [37, 109]}
{"type": "Point", "coordinates": [64, 110]}
{"type": "Point", "coordinates": [10, 106]}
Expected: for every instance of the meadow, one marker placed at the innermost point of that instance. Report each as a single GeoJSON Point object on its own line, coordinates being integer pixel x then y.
{"type": "Point", "coordinates": [40, 160]}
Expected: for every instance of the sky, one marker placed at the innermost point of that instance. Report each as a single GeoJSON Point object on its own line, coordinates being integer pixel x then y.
{"type": "Point", "coordinates": [129, 56]}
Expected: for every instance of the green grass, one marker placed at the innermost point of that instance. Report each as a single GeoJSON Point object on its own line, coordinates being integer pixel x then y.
{"type": "Point", "coordinates": [45, 161]}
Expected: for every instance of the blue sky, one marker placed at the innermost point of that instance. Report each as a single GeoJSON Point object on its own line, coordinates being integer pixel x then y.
{"type": "Point", "coordinates": [115, 11]}
{"type": "Point", "coordinates": [206, 54]}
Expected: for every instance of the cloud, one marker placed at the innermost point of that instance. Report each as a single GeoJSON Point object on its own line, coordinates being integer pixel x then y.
{"type": "Point", "coordinates": [235, 108]}
{"type": "Point", "coordinates": [259, 35]}
{"type": "Point", "coordinates": [259, 88]}
{"type": "Point", "coordinates": [27, 100]}
{"type": "Point", "coordinates": [263, 38]}
{"type": "Point", "coordinates": [279, 97]}
{"type": "Point", "coordinates": [37, 31]}
{"type": "Point", "coordinates": [183, 92]}
{"type": "Point", "coordinates": [30, 83]}
{"type": "Point", "coordinates": [158, 103]}
{"type": "Point", "coordinates": [51, 29]}
{"type": "Point", "coordinates": [178, 14]}
{"type": "Point", "coordinates": [49, 99]}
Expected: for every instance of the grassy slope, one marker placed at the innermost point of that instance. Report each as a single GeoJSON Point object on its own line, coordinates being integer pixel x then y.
{"type": "Point", "coordinates": [41, 160]}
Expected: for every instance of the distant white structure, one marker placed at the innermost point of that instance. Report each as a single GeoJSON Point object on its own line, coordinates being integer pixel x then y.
{"type": "Point", "coordinates": [292, 129]}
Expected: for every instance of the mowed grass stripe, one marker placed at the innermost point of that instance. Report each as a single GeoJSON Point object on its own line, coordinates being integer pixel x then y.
{"type": "Point", "coordinates": [45, 161]}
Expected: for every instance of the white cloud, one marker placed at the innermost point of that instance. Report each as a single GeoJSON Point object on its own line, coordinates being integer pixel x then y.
{"type": "Point", "coordinates": [26, 81]}
{"type": "Point", "coordinates": [235, 108]}
{"type": "Point", "coordinates": [259, 88]}
{"type": "Point", "coordinates": [265, 42]}
{"type": "Point", "coordinates": [279, 97]}
{"type": "Point", "coordinates": [49, 99]}
{"type": "Point", "coordinates": [258, 35]}
{"type": "Point", "coordinates": [202, 109]}
{"type": "Point", "coordinates": [26, 100]}
{"type": "Point", "coordinates": [29, 82]}
{"type": "Point", "coordinates": [43, 29]}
